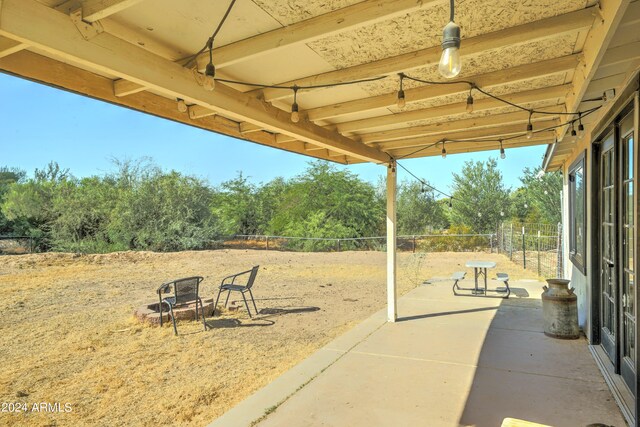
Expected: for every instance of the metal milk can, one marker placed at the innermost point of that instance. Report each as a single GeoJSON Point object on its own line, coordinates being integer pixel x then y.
{"type": "Point", "coordinates": [560, 310]}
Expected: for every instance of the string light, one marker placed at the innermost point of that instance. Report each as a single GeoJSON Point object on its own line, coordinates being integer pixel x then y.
{"type": "Point", "coordinates": [502, 153]}
{"type": "Point", "coordinates": [295, 115]}
{"type": "Point", "coordinates": [580, 126]}
{"type": "Point", "coordinates": [470, 101]}
{"type": "Point", "coordinates": [449, 65]}
{"type": "Point", "coordinates": [450, 202]}
{"type": "Point", "coordinates": [501, 213]}
{"type": "Point", "coordinates": [210, 71]}
{"type": "Point", "coordinates": [182, 106]}
{"type": "Point", "coordinates": [401, 101]}
{"type": "Point", "coordinates": [573, 132]}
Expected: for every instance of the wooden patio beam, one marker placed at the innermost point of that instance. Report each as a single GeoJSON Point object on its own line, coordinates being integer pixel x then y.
{"type": "Point", "coordinates": [471, 147]}
{"type": "Point", "coordinates": [94, 10]}
{"type": "Point", "coordinates": [537, 30]}
{"type": "Point", "coordinates": [610, 15]}
{"type": "Point", "coordinates": [331, 23]}
{"type": "Point", "coordinates": [9, 47]}
{"type": "Point", "coordinates": [31, 22]}
{"type": "Point", "coordinates": [67, 77]}
{"type": "Point", "coordinates": [425, 92]}
{"type": "Point", "coordinates": [528, 96]}
{"type": "Point", "coordinates": [490, 121]}
{"type": "Point", "coordinates": [497, 132]}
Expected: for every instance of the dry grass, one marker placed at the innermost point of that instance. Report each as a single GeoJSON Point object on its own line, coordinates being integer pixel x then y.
{"type": "Point", "coordinates": [69, 335]}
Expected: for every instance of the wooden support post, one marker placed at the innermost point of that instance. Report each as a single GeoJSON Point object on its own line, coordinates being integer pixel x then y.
{"type": "Point", "coordinates": [392, 305]}
{"type": "Point", "coordinates": [267, 240]}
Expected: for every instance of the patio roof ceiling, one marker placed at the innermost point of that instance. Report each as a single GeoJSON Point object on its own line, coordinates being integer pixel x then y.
{"type": "Point", "coordinates": [543, 54]}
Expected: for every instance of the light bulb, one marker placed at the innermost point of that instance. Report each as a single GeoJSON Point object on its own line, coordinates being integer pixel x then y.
{"type": "Point", "coordinates": [209, 77]}
{"type": "Point", "coordinates": [444, 153]}
{"type": "Point", "coordinates": [479, 214]}
{"type": "Point", "coordinates": [501, 213]}
{"type": "Point", "coordinates": [182, 106]}
{"type": "Point", "coordinates": [502, 154]}
{"type": "Point", "coordinates": [469, 104]}
{"type": "Point", "coordinates": [526, 206]}
{"type": "Point", "coordinates": [529, 131]}
{"type": "Point", "coordinates": [450, 203]}
{"type": "Point", "coordinates": [295, 115]}
{"type": "Point", "coordinates": [401, 100]}
{"type": "Point", "coordinates": [573, 133]}
{"type": "Point", "coordinates": [449, 65]}
{"type": "Point", "coordinates": [580, 130]}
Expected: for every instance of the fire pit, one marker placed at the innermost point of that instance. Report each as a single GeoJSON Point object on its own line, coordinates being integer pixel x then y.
{"type": "Point", "coordinates": [150, 313]}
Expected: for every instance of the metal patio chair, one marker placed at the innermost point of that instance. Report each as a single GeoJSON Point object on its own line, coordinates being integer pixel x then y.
{"type": "Point", "coordinates": [229, 284]}
{"type": "Point", "coordinates": [184, 291]}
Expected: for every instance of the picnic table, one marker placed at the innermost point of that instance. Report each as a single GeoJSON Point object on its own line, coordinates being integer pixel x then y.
{"type": "Point", "coordinates": [480, 269]}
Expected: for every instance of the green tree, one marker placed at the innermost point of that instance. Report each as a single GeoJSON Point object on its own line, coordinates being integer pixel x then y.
{"type": "Point", "coordinates": [479, 196]}
{"type": "Point", "coordinates": [542, 195]}
{"type": "Point", "coordinates": [328, 202]}
{"type": "Point", "coordinates": [417, 209]}
{"type": "Point", "coordinates": [9, 176]}
{"type": "Point", "coordinates": [164, 212]}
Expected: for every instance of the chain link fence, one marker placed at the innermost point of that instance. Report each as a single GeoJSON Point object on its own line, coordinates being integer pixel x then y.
{"type": "Point", "coordinates": [16, 245]}
{"type": "Point", "coordinates": [536, 247]}
{"type": "Point", "coordinates": [414, 243]}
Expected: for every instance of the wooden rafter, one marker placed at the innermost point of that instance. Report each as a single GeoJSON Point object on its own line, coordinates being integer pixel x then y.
{"type": "Point", "coordinates": [426, 92]}
{"type": "Point", "coordinates": [545, 28]}
{"type": "Point", "coordinates": [364, 13]}
{"type": "Point", "coordinates": [490, 121]}
{"type": "Point", "coordinates": [497, 132]}
{"type": "Point", "coordinates": [611, 13]}
{"type": "Point", "coordinates": [9, 47]}
{"type": "Point", "coordinates": [94, 10]}
{"type": "Point", "coordinates": [470, 147]}
{"type": "Point", "coordinates": [34, 23]}
{"type": "Point", "coordinates": [535, 95]}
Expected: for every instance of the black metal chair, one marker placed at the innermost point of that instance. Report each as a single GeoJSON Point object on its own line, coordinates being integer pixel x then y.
{"type": "Point", "coordinates": [229, 284]}
{"type": "Point", "coordinates": [184, 291]}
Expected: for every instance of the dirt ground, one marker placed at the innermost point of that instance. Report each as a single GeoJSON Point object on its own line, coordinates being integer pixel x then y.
{"type": "Point", "coordinates": [69, 335]}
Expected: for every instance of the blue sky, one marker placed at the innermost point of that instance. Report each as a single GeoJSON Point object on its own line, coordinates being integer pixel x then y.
{"type": "Point", "coordinates": [39, 124]}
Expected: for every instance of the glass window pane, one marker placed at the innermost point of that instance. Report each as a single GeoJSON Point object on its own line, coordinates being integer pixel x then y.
{"type": "Point", "coordinates": [629, 163]}
{"type": "Point", "coordinates": [629, 204]}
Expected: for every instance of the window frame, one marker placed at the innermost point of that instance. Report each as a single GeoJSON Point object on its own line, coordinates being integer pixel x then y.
{"type": "Point", "coordinates": [577, 255]}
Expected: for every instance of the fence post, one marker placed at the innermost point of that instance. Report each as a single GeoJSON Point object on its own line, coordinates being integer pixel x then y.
{"type": "Point", "coordinates": [491, 243]}
{"type": "Point", "coordinates": [524, 251]}
{"type": "Point", "coordinates": [559, 260]}
{"type": "Point", "coordinates": [338, 245]}
{"type": "Point", "coordinates": [539, 271]}
{"type": "Point", "coordinates": [511, 244]}
{"type": "Point", "coordinates": [414, 244]}
{"type": "Point", "coordinates": [267, 239]}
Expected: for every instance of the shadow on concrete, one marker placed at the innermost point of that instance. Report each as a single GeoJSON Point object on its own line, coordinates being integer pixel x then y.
{"type": "Point", "coordinates": [523, 375]}
{"type": "Point", "coordinates": [444, 313]}
{"type": "Point", "coordinates": [519, 292]}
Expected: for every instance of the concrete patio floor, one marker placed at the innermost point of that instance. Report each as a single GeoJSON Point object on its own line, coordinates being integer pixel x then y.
{"type": "Point", "coordinates": [448, 361]}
